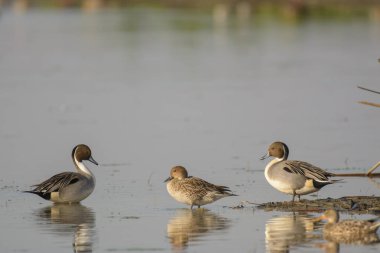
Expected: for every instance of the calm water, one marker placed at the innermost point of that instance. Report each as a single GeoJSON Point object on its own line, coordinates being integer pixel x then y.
{"type": "Point", "coordinates": [150, 89]}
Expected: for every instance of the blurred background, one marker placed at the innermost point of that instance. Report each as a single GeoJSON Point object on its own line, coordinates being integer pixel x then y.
{"type": "Point", "coordinates": [221, 9]}
{"type": "Point", "coordinates": [176, 80]}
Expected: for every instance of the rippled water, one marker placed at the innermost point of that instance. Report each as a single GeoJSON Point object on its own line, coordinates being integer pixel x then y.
{"type": "Point", "coordinates": [149, 89]}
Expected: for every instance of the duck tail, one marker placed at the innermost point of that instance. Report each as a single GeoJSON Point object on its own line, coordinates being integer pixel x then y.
{"type": "Point", "coordinates": [225, 191]}
{"type": "Point", "coordinates": [320, 184]}
{"type": "Point", "coordinates": [44, 195]}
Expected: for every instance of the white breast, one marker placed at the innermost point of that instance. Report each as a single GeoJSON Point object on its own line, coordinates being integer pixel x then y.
{"type": "Point", "coordinates": [177, 195]}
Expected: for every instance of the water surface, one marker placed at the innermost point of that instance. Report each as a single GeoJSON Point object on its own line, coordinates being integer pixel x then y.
{"type": "Point", "coordinates": [149, 89]}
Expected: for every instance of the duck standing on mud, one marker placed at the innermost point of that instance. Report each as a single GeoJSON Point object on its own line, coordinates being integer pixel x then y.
{"type": "Point", "coordinates": [293, 177]}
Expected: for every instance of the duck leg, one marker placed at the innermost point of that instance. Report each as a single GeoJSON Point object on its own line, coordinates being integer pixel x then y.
{"type": "Point", "coordinates": [294, 195]}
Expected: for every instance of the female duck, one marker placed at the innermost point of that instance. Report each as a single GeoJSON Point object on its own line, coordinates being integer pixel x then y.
{"type": "Point", "coordinates": [69, 187]}
{"type": "Point", "coordinates": [193, 191]}
{"type": "Point", "coordinates": [293, 177]}
{"type": "Point", "coordinates": [352, 228]}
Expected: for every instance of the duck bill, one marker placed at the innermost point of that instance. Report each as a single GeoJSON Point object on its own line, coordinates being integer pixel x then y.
{"type": "Point", "coordinates": [92, 160]}
{"type": "Point", "coordinates": [168, 179]}
{"type": "Point", "coordinates": [264, 156]}
{"type": "Point", "coordinates": [320, 218]}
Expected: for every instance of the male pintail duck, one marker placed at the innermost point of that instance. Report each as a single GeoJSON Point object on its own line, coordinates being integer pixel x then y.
{"type": "Point", "coordinates": [334, 227]}
{"type": "Point", "coordinates": [69, 187]}
{"type": "Point", "coordinates": [193, 191]}
{"type": "Point", "coordinates": [293, 177]}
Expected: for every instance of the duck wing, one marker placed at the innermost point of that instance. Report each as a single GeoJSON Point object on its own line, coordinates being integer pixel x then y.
{"type": "Point", "coordinates": [308, 170]}
{"type": "Point", "coordinates": [203, 187]}
{"type": "Point", "coordinates": [57, 182]}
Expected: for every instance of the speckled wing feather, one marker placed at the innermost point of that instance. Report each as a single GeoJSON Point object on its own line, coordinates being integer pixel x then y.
{"type": "Point", "coordinates": [349, 238]}
{"type": "Point", "coordinates": [57, 182]}
{"type": "Point", "coordinates": [308, 170]}
{"type": "Point", "coordinates": [201, 187]}
{"type": "Point", "coordinates": [350, 226]}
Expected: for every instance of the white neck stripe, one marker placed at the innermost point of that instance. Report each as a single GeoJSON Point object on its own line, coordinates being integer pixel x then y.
{"type": "Point", "coordinates": [82, 167]}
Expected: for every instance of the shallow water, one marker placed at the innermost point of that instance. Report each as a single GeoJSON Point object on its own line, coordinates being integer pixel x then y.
{"type": "Point", "coordinates": [149, 89]}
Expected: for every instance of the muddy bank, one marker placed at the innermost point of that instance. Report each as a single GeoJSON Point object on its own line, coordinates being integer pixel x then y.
{"type": "Point", "coordinates": [352, 204]}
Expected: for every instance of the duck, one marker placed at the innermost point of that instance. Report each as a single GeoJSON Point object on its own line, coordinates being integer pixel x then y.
{"type": "Point", "coordinates": [346, 229]}
{"type": "Point", "coordinates": [69, 187]}
{"type": "Point", "coordinates": [193, 191]}
{"type": "Point", "coordinates": [293, 177]}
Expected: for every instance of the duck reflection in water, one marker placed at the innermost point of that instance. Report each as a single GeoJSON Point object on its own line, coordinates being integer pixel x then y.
{"type": "Point", "coordinates": [284, 232]}
{"type": "Point", "coordinates": [189, 225]}
{"type": "Point", "coordinates": [66, 220]}
{"type": "Point", "coordinates": [333, 243]}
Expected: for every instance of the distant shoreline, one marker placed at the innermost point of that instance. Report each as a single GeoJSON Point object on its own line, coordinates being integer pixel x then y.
{"type": "Point", "coordinates": [221, 10]}
{"type": "Point", "coordinates": [233, 7]}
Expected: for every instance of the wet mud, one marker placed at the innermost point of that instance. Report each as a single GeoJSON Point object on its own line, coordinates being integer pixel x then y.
{"type": "Point", "coordinates": [351, 204]}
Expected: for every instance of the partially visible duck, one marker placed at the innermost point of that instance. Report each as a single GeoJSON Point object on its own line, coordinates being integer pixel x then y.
{"type": "Point", "coordinates": [334, 227]}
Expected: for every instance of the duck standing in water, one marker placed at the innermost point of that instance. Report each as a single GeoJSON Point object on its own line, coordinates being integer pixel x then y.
{"type": "Point", "coordinates": [69, 187]}
{"type": "Point", "coordinates": [293, 177]}
{"type": "Point", "coordinates": [193, 191]}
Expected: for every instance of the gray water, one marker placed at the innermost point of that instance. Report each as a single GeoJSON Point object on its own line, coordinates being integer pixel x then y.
{"type": "Point", "coordinates": [149, 89]}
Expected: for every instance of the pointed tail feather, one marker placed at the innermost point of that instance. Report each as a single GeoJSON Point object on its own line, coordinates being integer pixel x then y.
{"type": "Point", "coordinates": [44, 195]}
